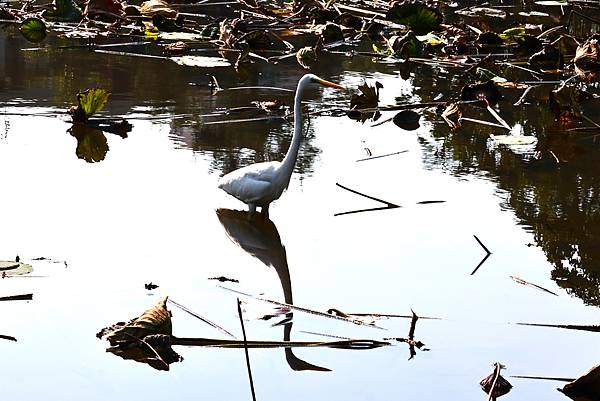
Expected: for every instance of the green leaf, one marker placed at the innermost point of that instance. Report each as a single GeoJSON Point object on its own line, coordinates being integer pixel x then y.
{"type": "Point", "coordinates": [64, 10]}
{"type": "Point", "coordinates": [421, 18]}
{"type": "Point", "coordinates": [381, 49]}
{"type": "Point", "coordinates": [513, 33]}
{"type": "Point", "coordinates": [92, 101]}
{"type": "Point", "coordinates": [486, 75]}
{"type": "Point", "coordinates": [33, 29]}
{"type": "Point", "coordinates": [432, 39]}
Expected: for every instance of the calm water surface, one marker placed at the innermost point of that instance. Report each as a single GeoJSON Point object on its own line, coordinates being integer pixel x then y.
{"type": "Point", "coordinates": [147, 212]}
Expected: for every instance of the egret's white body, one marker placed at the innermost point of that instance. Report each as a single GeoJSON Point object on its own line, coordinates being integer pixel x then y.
{"type": "Point", "coordinates": [261, 183]}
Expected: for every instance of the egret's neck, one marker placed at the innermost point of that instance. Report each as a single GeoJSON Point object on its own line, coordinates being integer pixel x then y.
{"type": "Point", "coordinates": [287, 166]}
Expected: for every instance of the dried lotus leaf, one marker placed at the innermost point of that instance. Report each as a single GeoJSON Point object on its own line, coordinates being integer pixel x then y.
{"type": "Point", "coordinates": [156, 320]}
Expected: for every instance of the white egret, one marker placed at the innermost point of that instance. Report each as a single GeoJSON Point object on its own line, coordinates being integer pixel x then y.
{"type": "Point", "coordinates": [260, 184]}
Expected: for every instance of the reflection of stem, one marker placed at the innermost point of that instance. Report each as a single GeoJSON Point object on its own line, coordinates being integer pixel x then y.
{"type": "Point", "coordinates": [246, 349]}
{"type": "Point", "coordinates": [496, 375]}
{"type": "Point", "coordinates": [214, 325]}
{"type": "Point", "coordinates": [367, 196]}
{"type": "Point", "coordinates": [213, 342]}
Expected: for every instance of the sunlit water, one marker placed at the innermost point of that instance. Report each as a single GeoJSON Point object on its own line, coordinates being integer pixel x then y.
{"type": "Point", "coordinates": [147, 213]}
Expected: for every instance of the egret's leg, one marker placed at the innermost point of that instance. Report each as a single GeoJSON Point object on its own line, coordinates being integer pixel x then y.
{"type": "Point", "coordinates": [265, 210]}
{"type": "Point", "coordinates": [251, 208]}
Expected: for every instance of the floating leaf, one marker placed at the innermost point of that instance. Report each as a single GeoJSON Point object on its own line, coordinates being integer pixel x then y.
{"type": "Point", "coordinates": [489, 38]}
{"type": "Point", "coordinates": [513, 33]}
{"type": "Point", "coordinates": [331, 32]}
{"type": "Point", "coordinates": [33, 29]}
{"type": "Point", "coordinates": [432, 39]}
{"type": "Point", "coordinates": [406, 46]}
{"type": "Point", "coordinates": [421, 18]}
{"type": "Point", "coordinates": [407, 120]}
{"type": "Point", "coordinates": [156, 320]}
{"type": "Point", "coordinates": [487, 75]}
{"type": "Point", "coordinates": [12, 268]}
{"type": "Point", "coordinates": [154, 7]}
{"type": "Point", "coordinates": [201, 61]}
{"type": "Point", "coordinates": [368, 98]}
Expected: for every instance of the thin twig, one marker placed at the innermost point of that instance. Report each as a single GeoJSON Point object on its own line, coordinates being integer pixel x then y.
{"type": "Point", "coordinates": [24, 297]}
{"type": "Point", "coordinates": [246, 349]}
{"type": "Point", "coordinates": [9, 338]}
{"type": "Point", "coordinates": [380, 156]}
{"type": "Point", "coordinates": [483, 246]}
{"type": "Point", "coordinates": [389, 204]}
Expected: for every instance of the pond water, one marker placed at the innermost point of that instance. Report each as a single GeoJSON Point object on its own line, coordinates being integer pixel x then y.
{"type": "Point", "coordinates": [146, 212]}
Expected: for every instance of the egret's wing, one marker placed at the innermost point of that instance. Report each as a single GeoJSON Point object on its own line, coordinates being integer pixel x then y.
{"type": "Point", "coordinates": [251, 183]}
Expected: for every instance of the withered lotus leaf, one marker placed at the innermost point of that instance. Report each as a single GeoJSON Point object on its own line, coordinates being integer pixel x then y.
{"type": "Point", "coordinates": [156, 320]}
{"type": "Point", "coordinates": [587, 58]}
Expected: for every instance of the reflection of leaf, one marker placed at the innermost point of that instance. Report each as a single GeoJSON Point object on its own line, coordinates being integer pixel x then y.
{"type": "Point", "coordinates": [564, 103]}
{"type": "Point", "coordinates": [421, 18]}
{"type": "Point", "coordinates": [586, 387]}
{"type": "Point", "coordinates": [155, 350]}
{"type": "Point", "coordinates": [549, 58]}
{"type": "Point", "coordinates": [33, 29]}
{"type": "Point", "coordinates": [92, 145]}
{"type": "Point", "coordinates": [407, 120]}
{"type": "Point", "coordinates": [92, 101]}
{"type": "Point", "coordinates": [486, 90]}
{"type": "Point", "coordinates": [452, 115]}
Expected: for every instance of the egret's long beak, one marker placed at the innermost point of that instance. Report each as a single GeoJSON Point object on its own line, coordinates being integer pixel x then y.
{"type": "Point", "coordinates": [330, 84]}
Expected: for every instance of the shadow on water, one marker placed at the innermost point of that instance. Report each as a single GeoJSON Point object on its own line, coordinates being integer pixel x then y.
{"type": "Point", "coordinates": [258, 236]}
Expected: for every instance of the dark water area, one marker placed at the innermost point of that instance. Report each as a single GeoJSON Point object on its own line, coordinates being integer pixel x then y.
{"type": "Point", "coordinates": [98, 215]}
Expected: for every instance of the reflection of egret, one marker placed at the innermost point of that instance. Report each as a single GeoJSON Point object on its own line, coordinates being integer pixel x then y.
{"type": "Point", "coordinates": [260, 184]}
{"type": "Point", "coordinates": [260, 238]}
